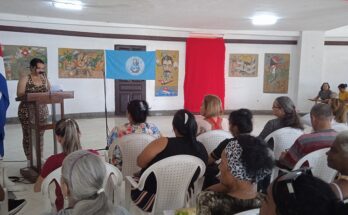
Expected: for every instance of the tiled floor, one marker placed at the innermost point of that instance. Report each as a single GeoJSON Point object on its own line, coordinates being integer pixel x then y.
{"type": "Point", "coordinates": [93, 136]}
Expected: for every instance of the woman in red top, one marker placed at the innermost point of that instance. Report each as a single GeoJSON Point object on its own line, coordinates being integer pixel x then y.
{"type": "Point", "coordinates": [211, 111]}
{"type": "Point", "coordinates": [68, 133]}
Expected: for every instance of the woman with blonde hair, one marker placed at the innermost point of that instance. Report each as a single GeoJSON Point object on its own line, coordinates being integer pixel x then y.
{"type": "Point", "coordinates": [82, 180]}
{"type": "Point", "coordinates": [339, 110]}
{"type": "Point", "coordinates": [210, 118]}
{"type": "Point", "coordinates": [67, 133]}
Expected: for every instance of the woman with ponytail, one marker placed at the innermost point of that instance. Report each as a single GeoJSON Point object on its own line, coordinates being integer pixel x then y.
{"type": "Point", "coordinates": [184, 143]}
{"type": "Point", "coordinates": [67, 133]}
{"type": "Point", "coordinates": [82, 180]}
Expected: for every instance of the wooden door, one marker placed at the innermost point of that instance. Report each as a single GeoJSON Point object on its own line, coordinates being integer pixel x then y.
{"type": "Point", "coordinates": [127, 90]}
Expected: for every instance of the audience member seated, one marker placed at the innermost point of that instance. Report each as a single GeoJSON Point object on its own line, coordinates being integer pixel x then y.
{"type": "Point", "coordinates": [184, 142]}
{"type": "Point", "coordinates": [244, 162]}
{"type": "Point", "coordinates": [14, 205]}
{"type": "Point", "coordinates": [82, 180]}
{"type": "Point", "coordinates": [321, 137]}
{"type": "Point", "coordinates": [337, 158]}
{"type": "Point", "coordinates": [137, 112]}
{"type": "Point", "coordinates": [285, 111]}
{"type": "Point", "coordinates": [240, 123]}
{"type": "Point", "coordinates": [210, 118]}
{"type": "Point", "coordinates": [67, 133]}
{"type": "Point", "coordinates": [297, 193]}
{"type": "Point", "coordinates": [343, 94]}
{"type": "Point", "coordinates": [338, 110]}
{"type": "Point", "coordinates": [324, 94]}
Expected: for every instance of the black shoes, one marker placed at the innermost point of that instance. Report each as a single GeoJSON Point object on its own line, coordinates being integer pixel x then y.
{"type": "Point", "coordinates": [15, 205]}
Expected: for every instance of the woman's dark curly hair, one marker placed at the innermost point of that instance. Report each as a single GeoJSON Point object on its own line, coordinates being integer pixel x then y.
{"type": "Point", "coordinates": [243, 119]}
{"type": "Point", "coordinates": [311, 196]}
{"type": "Point", "coordinates": [256, 156]}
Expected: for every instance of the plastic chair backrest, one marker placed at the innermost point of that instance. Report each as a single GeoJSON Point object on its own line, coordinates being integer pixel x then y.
{"type": "Point", "coordinates": [211, 139]}
{"type": "Point", "coordinates": [255, 211]}
{"type": "Point", "coordinates": [283, 138]}
{"type": "Point", "coordinates": [131, 145]}
{"type": "Point", "coordinates": [112, 183]}
{"type": "Point", "coordinates": [173, 176]}
{"type": "Point", "coordinates": [318, 162]}
{"type": "Point", "coordinates": [338, 127]}
{"type": "Point", "coordinates": [48, 191]}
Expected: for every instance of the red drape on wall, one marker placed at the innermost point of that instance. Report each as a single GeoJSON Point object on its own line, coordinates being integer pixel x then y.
{"type": "Point", "coordinates": [204, 71]}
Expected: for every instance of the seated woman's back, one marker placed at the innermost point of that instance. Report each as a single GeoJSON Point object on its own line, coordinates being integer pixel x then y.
{"type": "Point", "coordinates": [211, 115]}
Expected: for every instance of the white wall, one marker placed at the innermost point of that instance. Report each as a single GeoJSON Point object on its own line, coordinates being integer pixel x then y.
{"type": "Point", "coordinates": [240, 92]}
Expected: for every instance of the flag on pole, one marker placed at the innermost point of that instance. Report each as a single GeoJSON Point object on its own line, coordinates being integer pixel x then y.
{"type": "Point", "coordinates": [130, 65]}
{"type": "Point", "coordinates": [4, 103]}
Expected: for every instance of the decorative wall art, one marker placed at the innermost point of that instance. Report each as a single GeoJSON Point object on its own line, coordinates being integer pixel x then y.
{"type": "Point", "coordinates": [276, 76]}
{"type": "Point", "coordinates": [243, 65]}
{"type": "Point", "coordinates": [167, 72]}
{"type": "Point", "coordinates": [17, 59]}
{"type": "Point", "coordinates": [81, 63]}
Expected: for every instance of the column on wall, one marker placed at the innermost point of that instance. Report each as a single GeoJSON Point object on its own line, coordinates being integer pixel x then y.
{"type": "Point", "coordinates": [311, 52]}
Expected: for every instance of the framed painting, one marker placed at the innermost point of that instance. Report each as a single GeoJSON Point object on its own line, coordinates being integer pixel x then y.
{"type": "Point", "coordinates": [276, 76]}
{"type": "Point", "coordinates": [17, 59]}
{"type": "Point", "coordinates": [81, 63]}
{"type": "Point", "coordinates": [243, 65]}
{"type": "Point", "coordinates": [167, 74]}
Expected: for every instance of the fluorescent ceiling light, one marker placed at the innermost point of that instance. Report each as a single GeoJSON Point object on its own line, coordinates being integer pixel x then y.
{"type": "Point", "coordinates": [69, 5]}
{"type": "Point", "coordinates": [264, 19]}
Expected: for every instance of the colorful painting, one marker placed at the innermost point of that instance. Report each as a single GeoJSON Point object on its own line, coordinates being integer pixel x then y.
{"type": "Point", "coordinates": [17, 59]}
{"type": "Point", "coordinates": [243, 65]}
{"type": "Point", "coordinates": [81, 63]}
{"type": "Point", "coordinates": [167, 72]}
{"type": "Point", "coordinates": [276, 76]}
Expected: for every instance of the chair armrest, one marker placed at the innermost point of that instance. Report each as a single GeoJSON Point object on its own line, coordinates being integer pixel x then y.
{"type": "Point", "coordinates": [132, 181]}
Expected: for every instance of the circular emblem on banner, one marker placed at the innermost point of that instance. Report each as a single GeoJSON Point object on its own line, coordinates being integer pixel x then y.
{"type": "Point", "coordinates": [135, 65]}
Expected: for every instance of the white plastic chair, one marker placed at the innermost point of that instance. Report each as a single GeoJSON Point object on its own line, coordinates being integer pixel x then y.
{"type": "Point", "coordinates": [283, 139]}
{"type": "Point", "coordinates": [48, 190]}
{"type": "Point", "coordinates": [338, 127]}
{"type": "Point", "coordinates": [255, 211]}
{"type": "Point", "coordinates": [211, 139]}
{"type": "Point", "coordinates": [131, 145]}
{"type": "Point", "coordinates": [173, 176]}
{"type": "Point", "coordinates": [113, 183]}
{"type": "Point", "coordinates": [318, 162]}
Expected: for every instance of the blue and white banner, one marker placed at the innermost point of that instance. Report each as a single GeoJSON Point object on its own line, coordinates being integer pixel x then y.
{"type": "Point", "coordinates": [130, 65]}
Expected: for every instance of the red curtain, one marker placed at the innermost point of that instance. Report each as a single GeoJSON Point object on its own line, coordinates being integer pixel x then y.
{"type": "Point", "coordinates": [204, 71]}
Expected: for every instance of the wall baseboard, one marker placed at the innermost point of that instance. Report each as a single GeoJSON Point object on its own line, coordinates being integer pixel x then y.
{"type": "Point", "coordinates": [91, 115]}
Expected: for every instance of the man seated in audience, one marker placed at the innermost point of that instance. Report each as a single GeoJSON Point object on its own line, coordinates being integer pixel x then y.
{"type": "Point", "coordinates": [321, 137]}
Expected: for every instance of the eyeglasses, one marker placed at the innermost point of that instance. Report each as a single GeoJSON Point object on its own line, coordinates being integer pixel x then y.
{"type": "Point", "coordinates": [288, 179]}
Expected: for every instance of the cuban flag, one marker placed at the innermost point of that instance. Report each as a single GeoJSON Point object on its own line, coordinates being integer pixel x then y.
{"type": "Point", "coordinates": [4, 103]}
{"type": "Point", "coordinates": [130, 65]}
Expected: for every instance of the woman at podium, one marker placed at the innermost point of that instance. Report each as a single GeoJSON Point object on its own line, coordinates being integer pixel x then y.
{"type": "Point", "coordinates": [35, 82]}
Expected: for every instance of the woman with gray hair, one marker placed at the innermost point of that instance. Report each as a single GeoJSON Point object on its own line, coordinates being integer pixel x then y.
{"type": "Point", "coordinates": [285, 111]}
{"type": "Point", "coordinates": [82, 180]}
{"type": "Point", "coordinates": [337, 158]}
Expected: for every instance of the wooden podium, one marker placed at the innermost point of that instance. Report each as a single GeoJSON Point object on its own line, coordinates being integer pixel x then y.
{"type": "Point", "coordinates": [34, 100]}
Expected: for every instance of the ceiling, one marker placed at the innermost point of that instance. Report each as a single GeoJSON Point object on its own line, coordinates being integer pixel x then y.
{"type": "Point", "coordinates": [295, 15]}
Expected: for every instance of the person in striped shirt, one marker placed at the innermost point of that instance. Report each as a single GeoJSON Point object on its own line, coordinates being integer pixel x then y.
{"type": "Point", "coordinates": [321, 137]}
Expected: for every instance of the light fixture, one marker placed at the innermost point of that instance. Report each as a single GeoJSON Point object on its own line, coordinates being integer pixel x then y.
{"type": "Point", "coordinates": [69, 5]}
{"type": "Point", "coordinates": [264, 19]}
